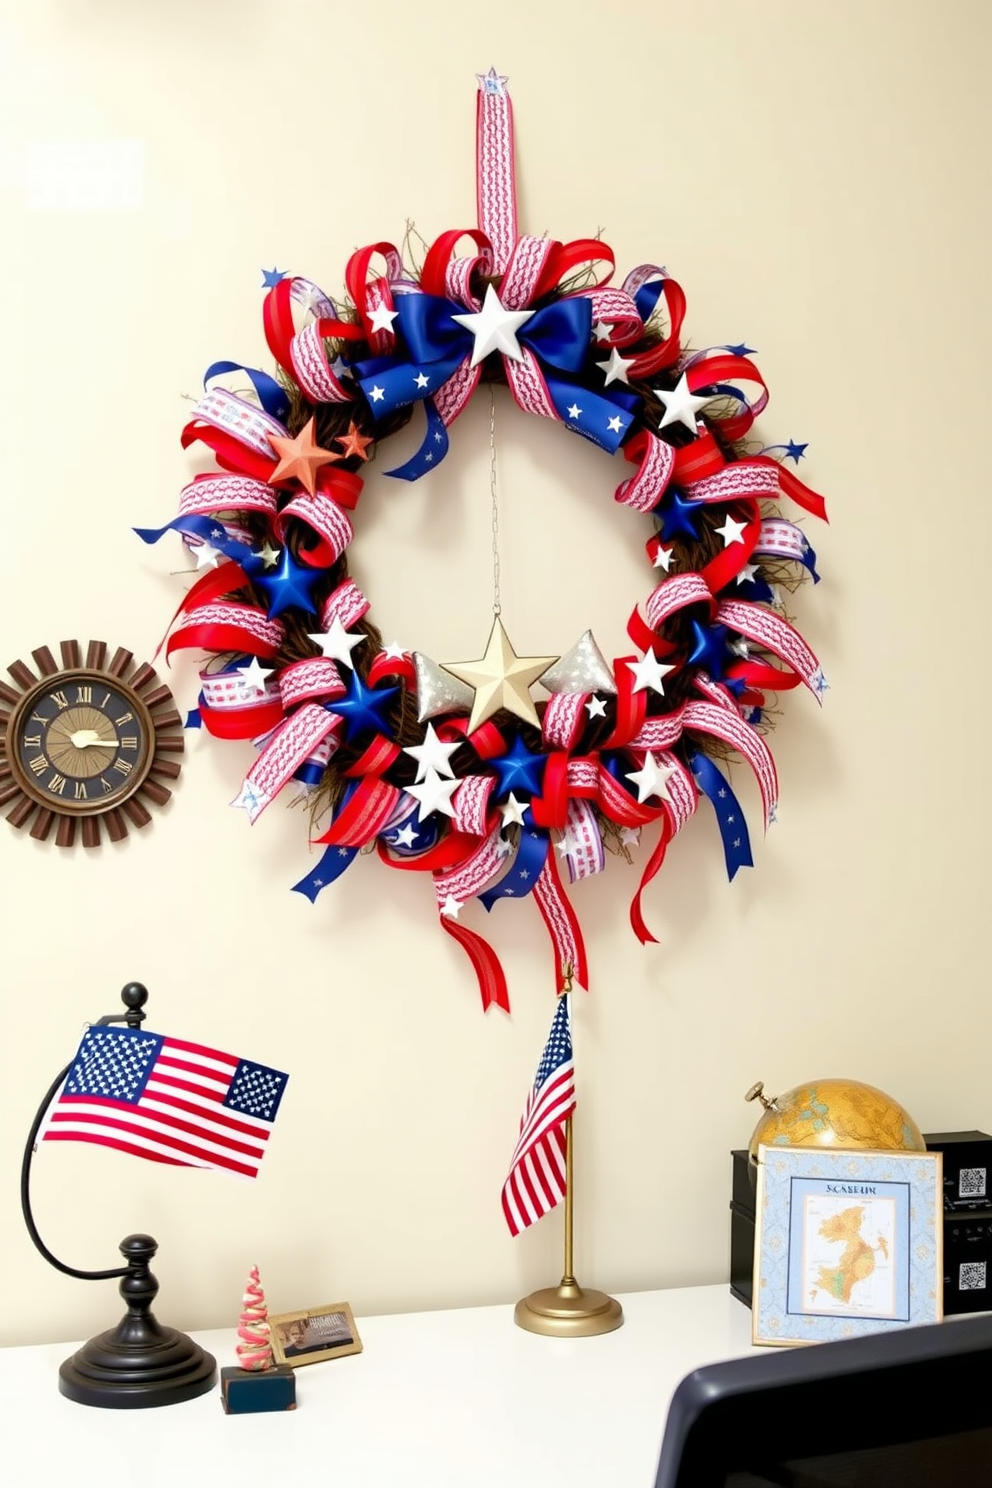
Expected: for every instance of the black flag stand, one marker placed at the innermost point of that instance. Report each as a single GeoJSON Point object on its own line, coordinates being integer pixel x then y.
{"type": "Point", "coordinates": [138, 1363]}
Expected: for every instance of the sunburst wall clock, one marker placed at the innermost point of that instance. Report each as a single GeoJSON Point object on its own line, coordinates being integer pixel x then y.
{"type": "Point", "coordinates": [86, 743]}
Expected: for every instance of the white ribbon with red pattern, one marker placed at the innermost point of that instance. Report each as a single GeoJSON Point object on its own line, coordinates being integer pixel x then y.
{"type": "Point", "coordinates": [769, 630]}
{"type": "Point", "coordinates": [469, 878]}
{"type": "Point", "coordinates": [288, 747]}
{"type": "Point", "coordinates": [563, 718]}
{"type": "Point", "coordinates": [209, 494]}
{"type": "Point", "coordinates": [308, 354]}
{"type": "Point", "coordinates": [305, 681]}
{"type": "Point", "coordinates": [322, 514]}
{"type": "Point", "coordinates": [470, 803]}
{"type": "Point", "coordinates": [244, 421]}
{"type": "Point", "coordinates": [674, 594]}
{"type": "Point", "coordinates": [347, 603]}
{"type": "Point", "coordinates": [495, 185]}
{"type": "Point", "coordinates": [583, 842]}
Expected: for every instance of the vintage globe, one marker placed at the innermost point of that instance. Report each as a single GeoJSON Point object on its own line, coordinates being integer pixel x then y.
{"type": "Point", "coordinates": [842, 1114]}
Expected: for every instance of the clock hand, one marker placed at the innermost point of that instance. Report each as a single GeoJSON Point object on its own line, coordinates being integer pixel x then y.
{"type": "Point", "coordinates": [84, 738]}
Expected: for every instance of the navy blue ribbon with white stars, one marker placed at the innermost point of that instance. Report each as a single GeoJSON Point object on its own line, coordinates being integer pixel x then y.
{"type": "Point", "coordinates": [730, 818]}
{"type": "Point", "coordinates": [517, 883]}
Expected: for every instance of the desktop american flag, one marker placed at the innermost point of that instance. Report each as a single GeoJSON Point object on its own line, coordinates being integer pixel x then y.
{"type": "Point", "coordinates": [536, 1181]}
{"type": "Point", "coordinates": [167, 1100]}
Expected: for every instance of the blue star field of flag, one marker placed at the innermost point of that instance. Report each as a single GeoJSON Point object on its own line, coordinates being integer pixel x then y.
{"type": "Point", "coordinates": [256, 1090]}
{"type": "Point", "coordinates": [558, 1049]}
{"type": "Point", "coordinates": [114, 1063]}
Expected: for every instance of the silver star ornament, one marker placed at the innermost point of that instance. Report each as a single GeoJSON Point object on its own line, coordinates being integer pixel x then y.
{"type": "Point", "coordinates": [438, 691]}
{"type": "Point", "coordinates": [582, 669]}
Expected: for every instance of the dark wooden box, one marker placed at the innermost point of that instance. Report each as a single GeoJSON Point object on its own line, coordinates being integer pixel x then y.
{"type": "Point", "coordinates": [245, 1391]}
{"type": "Point", "coordinates": [967, 1223]}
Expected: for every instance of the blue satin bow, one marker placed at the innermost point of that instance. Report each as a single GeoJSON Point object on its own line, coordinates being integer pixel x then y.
{"type": "Point", "coordinates": [436, 346]}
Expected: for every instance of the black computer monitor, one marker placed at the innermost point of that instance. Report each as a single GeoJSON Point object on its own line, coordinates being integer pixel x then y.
{"type": "Point", "coordinates": [910, 1408]}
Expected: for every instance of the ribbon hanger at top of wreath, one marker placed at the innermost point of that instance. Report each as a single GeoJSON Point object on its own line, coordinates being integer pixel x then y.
{"type": "Point", "coordinates": [382, 735]}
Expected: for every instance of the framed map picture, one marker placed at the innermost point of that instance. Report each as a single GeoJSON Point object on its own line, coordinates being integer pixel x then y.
{"type": "Point", "coordinates": [845, 1243]}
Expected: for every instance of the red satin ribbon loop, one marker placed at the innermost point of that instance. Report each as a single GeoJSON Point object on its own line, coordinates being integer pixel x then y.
{"type": "Point", "coordinates": [564, 257]}
{"type": "Point", "coordinates": [650, 870]}
{"type": "Point", "coordinates": [434, 274]}
{"type": "Point", "coordinates": [219, 637]}
{"type": "Point", "coordinates": [488, 972]}
{"type": "Point", "coordinates": [392, 666]}
{"type": "Point", "coordinates": [277, 320]}
{"type": "Point", "coordinates": [668, 351]}
{"type": "Point", "coordinates": [728, 564]}
{"type": "Point", "coordinates": [697, 460]}
{"type": "Point", "coordinates": [550, 809]}
{"type": "Point", "coordinates": [631, 706]}
{"type": "Point", "coordinates": [230, 452]}
{"type": "Point", "coordinates": [375, 759]}
{"type": "Point", "coordinates": [241, 723]}
{"type": "Point", "coordinates": [364, 816]}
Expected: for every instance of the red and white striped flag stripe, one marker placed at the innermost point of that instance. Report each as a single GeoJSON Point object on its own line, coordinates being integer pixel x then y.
{"type": "Point", "coordinates": [536, 1181]}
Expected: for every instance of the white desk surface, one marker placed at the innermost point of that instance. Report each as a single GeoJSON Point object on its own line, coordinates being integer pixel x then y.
{"type": "Point", "coordinates": [456, 1399]}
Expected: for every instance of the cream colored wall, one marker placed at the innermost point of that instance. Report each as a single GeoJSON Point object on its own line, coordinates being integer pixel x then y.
{"type": "Point", "coordinates": [816, 176]}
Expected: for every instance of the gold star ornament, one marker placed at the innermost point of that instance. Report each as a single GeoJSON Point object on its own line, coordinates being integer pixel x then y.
{"type": "Point", "coordinates": [501, 679]}
{"type": "Point", "coordinates": [300, 458]}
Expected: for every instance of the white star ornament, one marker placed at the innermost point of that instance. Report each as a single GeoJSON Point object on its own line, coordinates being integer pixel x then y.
{"type": "Point", "coordinates": [512, 811]}
{"type": "Point", "coordinates": [336, 643]}
{"type": "Point", "coordinates": [651, 779]}
{"type": "Point", "coordinates": [255, 675]}
{"type": "Point", "coordinates": [494, 328]}
{"type": "Point", "coordinates": [681, 405]}
{"type": "Point", "coordinates": [432, 754]}
{"type": "Point", "coordinates": [615, 370]}
{"type": "Point", "coordinates": [381, 318]}
{"type": "Point", "coordinates": [648, 672]}
{"type": "Point", "coordinates": [731, 531]}
{"type": "Point", "coordinates": [434, 794]}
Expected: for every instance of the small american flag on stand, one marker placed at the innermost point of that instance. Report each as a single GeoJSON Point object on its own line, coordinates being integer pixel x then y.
{"type": "Point", "coordinates": [167, 1100]}
{"type": "Point", "coordinates": [536, 1182]}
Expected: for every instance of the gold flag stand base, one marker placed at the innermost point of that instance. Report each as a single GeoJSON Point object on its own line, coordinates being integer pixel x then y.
{"type": "Point", "coordinates": [568, 1311]}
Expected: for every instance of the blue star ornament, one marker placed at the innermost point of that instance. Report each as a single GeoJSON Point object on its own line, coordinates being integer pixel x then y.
{"type": "Point", "coordinates": [364, 707]}
{"type": "Point", "coordinates": [710, 649]}
{"type": "Point", "coordinates": [679, 516]}
{"type": "Point", "coordinates": [793, 450]}
{"type": "Point", "coordinates": [290, 586]}
{"type": "Point", "coordinates": [741, 350]}
{"type": "Point", "coordinates": [272, 277]}
{"type": "Point", "coordinates": [518, 770]}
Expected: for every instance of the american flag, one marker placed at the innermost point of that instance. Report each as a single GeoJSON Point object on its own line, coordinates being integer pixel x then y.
{"type": "Point", "coordinates": [167, 1100]}
{"type": "Point", "coordinates": [536, 1182]}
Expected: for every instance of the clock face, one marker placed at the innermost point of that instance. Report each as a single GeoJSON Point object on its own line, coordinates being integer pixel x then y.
{"type": "Point", "coordinates": [82, 742]}
{"type": "Point", "coordinates": [88, 747]}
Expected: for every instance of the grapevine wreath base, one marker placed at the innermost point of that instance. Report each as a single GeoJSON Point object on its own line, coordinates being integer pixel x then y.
{"type": "Point", "coordinates": [456, 771]}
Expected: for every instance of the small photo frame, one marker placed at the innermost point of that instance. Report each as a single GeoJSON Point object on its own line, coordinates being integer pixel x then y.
{"type": "Point", "coordinates": [845, 1243]}
{"type": "Point", "coordinates": [314, 1335]}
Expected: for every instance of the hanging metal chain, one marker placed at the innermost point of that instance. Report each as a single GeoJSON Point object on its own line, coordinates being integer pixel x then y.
{"type": "Point", "coordinates": [495, 498]}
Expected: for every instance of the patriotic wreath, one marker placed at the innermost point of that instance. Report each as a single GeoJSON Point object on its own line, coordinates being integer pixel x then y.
{"type": "Point", "coordinates": [454, 770]}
